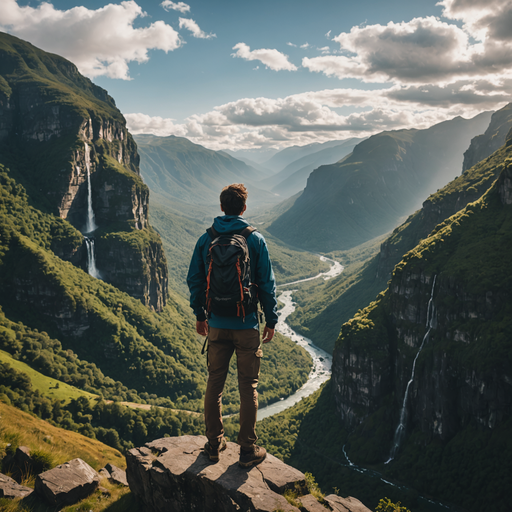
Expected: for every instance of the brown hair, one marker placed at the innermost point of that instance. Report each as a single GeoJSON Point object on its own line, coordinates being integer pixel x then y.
{"type": "Point", "coordinates": [233, 198]}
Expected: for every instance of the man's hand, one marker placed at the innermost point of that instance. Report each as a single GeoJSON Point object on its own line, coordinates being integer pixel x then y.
{"type": "Point", "coordinates": [268, 334]}
{"type": "Point", "coordinates": [202, 328]}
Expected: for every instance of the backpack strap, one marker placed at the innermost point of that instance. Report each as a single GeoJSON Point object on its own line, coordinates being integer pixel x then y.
{"type": "Point", "coordinates": [247, 231]}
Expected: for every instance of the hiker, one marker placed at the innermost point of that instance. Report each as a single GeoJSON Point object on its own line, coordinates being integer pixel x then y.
{"type": "Point", "coordinates": [232, 326]}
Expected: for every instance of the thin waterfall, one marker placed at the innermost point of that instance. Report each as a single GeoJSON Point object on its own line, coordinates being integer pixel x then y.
{"type": "Point", "coordinates": [90, 224]}
{"type": "Point", "coordinates": [91, 258]}
{"type": "Point", "coordinates": [400, 430]}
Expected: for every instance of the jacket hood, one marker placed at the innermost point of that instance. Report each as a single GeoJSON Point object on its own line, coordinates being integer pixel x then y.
{"type": "Point", "coordinates": [229, 223]}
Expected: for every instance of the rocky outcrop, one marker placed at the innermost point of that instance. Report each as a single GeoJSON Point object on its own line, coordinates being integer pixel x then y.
{"type": "Point", "coordinates": [11, 489]}
{"type": "Point", "coordinates": [75, 153]}
{"type": "Point", "coordinates": [174, 474]}
{"type": "Point", "coordinates": [68, 483]}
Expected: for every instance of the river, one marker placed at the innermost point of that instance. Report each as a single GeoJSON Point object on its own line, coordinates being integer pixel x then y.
{"type": "Point", "coordinates": [322, 361]}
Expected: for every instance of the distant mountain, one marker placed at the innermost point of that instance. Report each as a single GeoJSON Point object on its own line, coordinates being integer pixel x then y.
{"type": "Point", "coordinates": [293, 178]}
{"type": "Point", "coordinates": [494, 137]}
{"type": "Point", "coordinates": [258, 155]}
{"type": "Point", "coordinates": [288, 155]}
{"type": "Point", "coordinates": [179, 169]}
{"type": "Point", "coordinates": [248, 161]}
{"type": "Point", "coordinates": [385, 178]}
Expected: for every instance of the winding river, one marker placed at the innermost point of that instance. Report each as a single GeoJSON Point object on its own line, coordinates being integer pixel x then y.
{"type": "Point", "coordinates": [322, 361]}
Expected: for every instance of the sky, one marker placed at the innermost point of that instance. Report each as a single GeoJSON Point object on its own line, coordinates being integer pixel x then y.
{"type": "Point", "coordinates": [233, 74]}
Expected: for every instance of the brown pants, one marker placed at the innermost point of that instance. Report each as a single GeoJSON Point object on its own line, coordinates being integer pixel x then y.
{"type": "Point", "coordinates": [221, 345]}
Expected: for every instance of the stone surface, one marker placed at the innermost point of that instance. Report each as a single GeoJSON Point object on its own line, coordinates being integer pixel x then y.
{"type": "Point", "coordinates": [339, 504]}
{"type": "Point", "coordinates": [116, 475]}
{"type": "Point", "coordinates": [174, 474]}
{"type": "Point", "coordinates": [10, 489]}
{"type": "Point", "coordinates": [311, 504]}
{"type": "Point", "coordinates": [68, 483]}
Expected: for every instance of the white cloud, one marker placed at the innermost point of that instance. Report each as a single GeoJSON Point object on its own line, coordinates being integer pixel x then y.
{"type": "Point", "coordinates": [179, 6]}
{"type": "Point", "coordinates": [305, 45]}
{"type": "Point", "coordinates": [273, 59]}
{"type": "Point", "coordinates": [314, 117]}
{"type": "Point", "coordinates": [142, 123]}
{"type": "Point", "coordinates": [291, 44]}
{"type": "Point", "coordinates": [324, 49]}
{"type": "Point", "coordinates": [194, 29]}
{"type": "Point", "coordinates": [100, 42]}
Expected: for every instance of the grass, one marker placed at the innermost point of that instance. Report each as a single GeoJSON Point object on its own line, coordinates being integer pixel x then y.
{"type": "Point", "coordinates": [22, 429]}
{"type": "Point", "coordinates": [47, 386]}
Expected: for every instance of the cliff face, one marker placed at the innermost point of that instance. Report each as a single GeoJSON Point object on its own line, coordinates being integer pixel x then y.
{"type": "Point", "coordinates": [453, 350]}
{"type": "Point", "coordinates": [76, 158]}
{"type": "Point", "coordinates": [494, 137]}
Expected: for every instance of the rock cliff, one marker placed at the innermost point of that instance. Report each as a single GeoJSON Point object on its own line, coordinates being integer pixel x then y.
{"type": "Point", "coordinates": [173, 474]}
{"type": "Point", "coordinates": [70, 147]}
{"type": "Point", "coordinates": [451, 375]}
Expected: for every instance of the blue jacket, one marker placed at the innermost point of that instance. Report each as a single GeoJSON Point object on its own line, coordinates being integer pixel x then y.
{"type": "Point", "coordinates": [261, 274]}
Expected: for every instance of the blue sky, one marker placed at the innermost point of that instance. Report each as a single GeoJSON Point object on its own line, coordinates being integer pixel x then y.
{"type": "Point", "coordinates": [234, 74]}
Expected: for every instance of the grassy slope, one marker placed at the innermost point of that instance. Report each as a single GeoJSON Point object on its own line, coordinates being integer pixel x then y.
{"type": "Point", "coordinates": [45, 385]}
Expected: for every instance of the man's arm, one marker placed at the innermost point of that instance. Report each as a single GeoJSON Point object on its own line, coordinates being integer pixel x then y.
{"type": "Point", "coordinates": [266, 289]}
{"type": "Point", "coordinates": [196, 281]}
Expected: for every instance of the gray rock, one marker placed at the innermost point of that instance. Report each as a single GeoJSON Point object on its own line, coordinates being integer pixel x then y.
{"type": "Point", "coordinates": [174, 474]}
{"type": "Point", "coordinates": [339, 504]}
{"type": "Point", "coordinates": [10, 489]}
{"type": "Point", "coordinates": [68, 483]}
{"type": "Point", "coordinates": [116, 475]}
{"type": "Point", "coordinates": [311, 504]}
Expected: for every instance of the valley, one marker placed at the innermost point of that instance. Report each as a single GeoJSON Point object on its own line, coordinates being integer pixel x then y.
{"type": "Point", "coordinates": [390, 371]}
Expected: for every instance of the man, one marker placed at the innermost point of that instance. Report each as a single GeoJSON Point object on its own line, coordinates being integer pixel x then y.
{"type": "Point", "coordinates": [227, 334]}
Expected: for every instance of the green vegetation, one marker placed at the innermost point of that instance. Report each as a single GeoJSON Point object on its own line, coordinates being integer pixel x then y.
{"type": "Point", "coordinates": [385, 505]}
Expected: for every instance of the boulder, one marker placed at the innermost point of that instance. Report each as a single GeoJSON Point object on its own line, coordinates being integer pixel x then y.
{"type": "Point", "coordinates": [116, 475]}
{"type": "Point", "coordinates": [174, 474]}
{"type": "Point", "coordinates": [68, 483]}
{"type": "Point", "coordinates": [339, 504]}
{"type": "Point", "coordinates": [10, 489]}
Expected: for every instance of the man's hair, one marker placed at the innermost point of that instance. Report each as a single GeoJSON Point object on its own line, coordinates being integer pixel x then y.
{"type": "Point", "coordinates": [233, 198]}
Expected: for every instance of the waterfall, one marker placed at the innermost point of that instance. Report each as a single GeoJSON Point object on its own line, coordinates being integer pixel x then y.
{"type": "Point", "coordinates": [91, 258]}
{"type": "Point", "coordinates": [90, 224]}
{"type": "Point", "coordinates": [400, 430]}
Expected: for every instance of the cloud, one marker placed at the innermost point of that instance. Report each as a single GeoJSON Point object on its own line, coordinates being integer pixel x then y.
{"type": "Point", "coordinates": [142, 123]}
{"type": "Point", "coordinates": [324, 49]}
{"type": "Point", "coordinates": [315, 117]}
{"type": "Point", "coordinates": [179, 6]}
{"type": "Point", "coordinates": [305, 45]}
{"type": "Point", "coordinates": [194, 28]}
{"type": "Point", "coordinates": [273, 59]}
{"type": "Point", "coordinates": [100, 42]}
{"type": "Point", "coordinates": [427, 50]}
{"type": "Point", "coordinates": [291, 44]}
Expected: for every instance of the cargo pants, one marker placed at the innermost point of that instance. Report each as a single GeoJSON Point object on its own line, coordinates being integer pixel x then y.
{"type": "Point", "coordinates": [221, 345]}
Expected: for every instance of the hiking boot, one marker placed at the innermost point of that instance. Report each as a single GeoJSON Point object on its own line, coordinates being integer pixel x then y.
{"type": "Point", "coordinates": [213, 451]}
{"type": "Point", "coordinates": [252, 457]}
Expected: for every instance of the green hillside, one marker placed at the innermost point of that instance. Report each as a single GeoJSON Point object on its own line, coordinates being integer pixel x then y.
{"type": "Point", "coordinates": [368, 193]}
{"type": "Point", "coordinates": [181, 170]}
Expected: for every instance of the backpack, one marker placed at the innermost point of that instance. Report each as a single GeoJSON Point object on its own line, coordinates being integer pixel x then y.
{"type": "Point", "coordinates": [229, 291]}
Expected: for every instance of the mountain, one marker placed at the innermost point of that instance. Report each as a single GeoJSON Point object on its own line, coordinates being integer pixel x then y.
{"type": "Point", "coordinates": [432, 354]}
{"type": "Point", "coordinates": [251, 163]}
{"type": "Point", "coordinates": [293, 178]}
{"type": "Point", "coordinates": [361, 282]}
{"type": "Point", "coordinates": [288, 155]}
{"type": "Point", "coordinates": [181, 170]}
{"type": "Point", "coordinates": [62, 136]}
{"type": "Point", "coordinates": [494, 137]}
{"type": "Point", "coordinates": [103, 321]}
{"type": "Point", "coordinates": [385, 178]}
